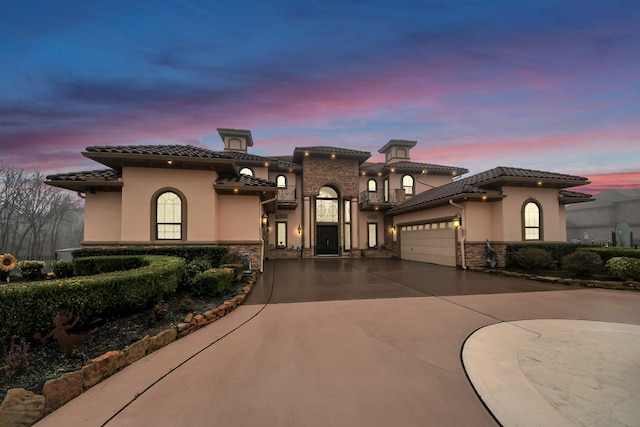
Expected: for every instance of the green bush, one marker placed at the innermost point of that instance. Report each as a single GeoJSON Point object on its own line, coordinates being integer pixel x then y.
{"type": "Point", "coordinates": [29, 308]}
{"type": "Point", "coordinates": [623, 268]}
{"type": "Point", "coordinates": [213, 254]}
{"type": "Point", "coordinates": [212, 282]}
{"type": "Point", "coordinates": [533, 259]}
{"type": "Point", "coordinates": [606, 253]}
{"type": "Point", "coordinates": [582, 263]}
{"type": "Point", "coordinates": [107, 264]}
{"type": "Point", "coordinates": [63, 269]}
{"type": "Point", "coordinates": [31, 269]}
{"type": "Point", "coordinates": [194, 268]}
{"type": "Point", "coordinates": [238, 269]}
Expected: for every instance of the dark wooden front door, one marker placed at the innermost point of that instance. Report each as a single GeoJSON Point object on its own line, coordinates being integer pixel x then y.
{"type": "Point", "coordinates": [327, 240]}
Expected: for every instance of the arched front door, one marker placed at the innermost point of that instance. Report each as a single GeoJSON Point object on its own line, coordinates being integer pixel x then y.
{"type": "Point", "coordinates": [327, 222]}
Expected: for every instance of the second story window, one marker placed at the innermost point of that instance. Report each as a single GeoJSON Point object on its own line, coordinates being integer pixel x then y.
{"type": "Point", "coordinates": [372, 185]}
{"type": "Point", "coordinates": [407, 184]}
{"type": "Point", "coordinates": [281, 181]}
{"type": "Point", "coordinates": [246, 171]}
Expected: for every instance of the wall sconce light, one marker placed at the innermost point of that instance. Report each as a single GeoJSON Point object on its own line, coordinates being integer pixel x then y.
{"type": "Point", "coordinates": [265, 219]}
{"type": "Point", "coordinates": [457, 220]}
{"type": "Point", "coordinates": [392, 229]}
{"type": "Point", "coordinates": [299, 228]}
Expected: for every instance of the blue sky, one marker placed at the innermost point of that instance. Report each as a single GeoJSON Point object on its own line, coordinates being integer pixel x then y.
{"type": "Point", "coordinates": [551, 85]}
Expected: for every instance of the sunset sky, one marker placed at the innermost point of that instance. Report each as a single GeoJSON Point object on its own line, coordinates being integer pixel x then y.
{"type": "Point", "coordinates": [551, 85]}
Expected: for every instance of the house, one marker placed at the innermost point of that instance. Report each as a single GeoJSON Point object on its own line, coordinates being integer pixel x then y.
{"type": "Point", "coordinates": [614, 212]}
{"type": "Point", "coordinates": [320, 201]}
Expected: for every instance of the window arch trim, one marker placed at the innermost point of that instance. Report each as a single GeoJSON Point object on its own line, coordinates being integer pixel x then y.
{"type": "Point", "coordinates": [532, 229]}
{"type": "Point", "coordinates": [155, 234]}
{"type": "Point", "coordinates": [408, 185]}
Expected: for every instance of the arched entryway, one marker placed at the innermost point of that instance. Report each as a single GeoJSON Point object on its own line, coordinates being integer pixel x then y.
{"type": "Point", "coordinates": [327, 222]}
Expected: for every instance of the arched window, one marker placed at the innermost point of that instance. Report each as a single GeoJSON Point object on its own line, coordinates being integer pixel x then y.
{"type": "Point", "coordinates": [169, 208]}
{"type": "Point", "coordinates": [246, 171]}
{"type": "Point", "coordinates": [281, 181]}
{"type": "Point", "coordinates": [327, 205]}
{"type": "Point", "coordinates": [372, 185]}
{"type": "Point", "coordinates": [407, 184]}
{"type": "Point", "coordinates": [532, 215]}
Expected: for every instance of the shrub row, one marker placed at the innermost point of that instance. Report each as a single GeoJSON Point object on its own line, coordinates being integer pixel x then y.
{"type": "Point", "coordinates": [107, 264]}
{"type": "Point", "coordinates": [29, 308]}
{"type": "Point", "coordinates": [555, 250]}
{"type": "Point", "coordinates": [612, 252]}
{"type": "Point", "coordinates": [212, 254]}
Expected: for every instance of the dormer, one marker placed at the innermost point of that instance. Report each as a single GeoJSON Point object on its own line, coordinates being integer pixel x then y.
{"type": "Point", "coordinates": [236, 139]}
{"type": "Point", "coordinates": [397, 150]}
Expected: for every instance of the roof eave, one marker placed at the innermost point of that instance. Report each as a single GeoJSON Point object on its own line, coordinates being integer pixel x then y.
{"type": "Point", "coordinates": [119, 160]}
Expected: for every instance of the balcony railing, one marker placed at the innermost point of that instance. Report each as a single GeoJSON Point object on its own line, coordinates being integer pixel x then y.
{"type": "Point", "coordinates": [287, 194]}
{"type": "Point", "coordinates": [287, 198]}
{"type": "Point", "coordinates": [377, 199]}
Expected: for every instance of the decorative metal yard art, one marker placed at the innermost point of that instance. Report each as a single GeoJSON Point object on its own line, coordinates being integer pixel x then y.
{"type": "Point", "coordinates": [7, 264]}
{"type": "Point", "coordinates": [66, 340]}
{"type": "Point", "coordinates": [491, 255]}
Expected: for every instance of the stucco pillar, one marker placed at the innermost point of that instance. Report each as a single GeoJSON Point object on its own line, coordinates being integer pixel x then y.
{"type": "Point", "coordinates": [355, 214]}
{"type": "Point", "coordinates": [306, 232]}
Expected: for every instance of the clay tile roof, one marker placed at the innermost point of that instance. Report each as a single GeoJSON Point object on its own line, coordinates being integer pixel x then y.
{"type": "Point", "coordinates": [95, 175]}
{"type": "Point", "coordinates": [251, 181]}
{"type": "Point", "coordinates": [480, 184]}
{"type": "Point", "coordinates": [158, 150]}
{"type": "Point", "coordinates": [332, 150]}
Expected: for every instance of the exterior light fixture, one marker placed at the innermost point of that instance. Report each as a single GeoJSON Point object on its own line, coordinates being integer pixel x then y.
{"type": "Point", "coordinates": [265, 219]}
{"type": "Point", "coordinates": [235, 190]}
{"type": "Point", "coordinates": [393, 170]}
{"type": "Point", "coordinates": [539, 183]}
{"type": "Point", "coordinates": [169, 162]}
{"type": "Point", "coordinates": [333, 156]}
{"type": "Point", "coordinates": [299, 228]}
{"type": "Point", "coordinates": [457, 220]}
{"type": "Point", "coordinates": [306, 153]}
{"type": "Point", "coordinates": [266, 164]}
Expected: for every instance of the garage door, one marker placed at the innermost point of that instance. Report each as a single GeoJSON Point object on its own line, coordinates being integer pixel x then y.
{"type": "Point", "coordinates": [434, 243]}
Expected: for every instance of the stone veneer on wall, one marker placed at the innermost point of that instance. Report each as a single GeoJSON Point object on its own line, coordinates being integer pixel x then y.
{"type": "Point", "coordinates": [476, 253]}
{"type": "Point", "coordinates": [317, 172]}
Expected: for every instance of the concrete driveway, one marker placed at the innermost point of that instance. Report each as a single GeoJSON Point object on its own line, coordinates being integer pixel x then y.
{"type": "Point", "coordinates": [337, 342]}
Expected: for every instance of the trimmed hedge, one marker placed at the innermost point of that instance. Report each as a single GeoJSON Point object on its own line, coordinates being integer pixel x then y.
{"type": "Point", "coordinates": [107, 264]}
{"type": "Point", "coordinates": [582, 263]}
{"type": "Point", "coordinates": [532, 259]}
{"type": "Point", "coordinates": [31, 269]}
{"type": "Point", "coordinates": [613, 252]}
{"type": "Point", "coordinates": [212, 282]}
{"type": "Point", "coordinates": [213, 254]}
{"type": "Point", "coordinates": [28, 308]}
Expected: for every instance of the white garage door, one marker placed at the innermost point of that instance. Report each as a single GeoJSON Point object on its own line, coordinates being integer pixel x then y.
{"type": "Point", "coordinates": [434, 243]}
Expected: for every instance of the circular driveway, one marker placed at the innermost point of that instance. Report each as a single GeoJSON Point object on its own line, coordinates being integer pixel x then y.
{"type": "Point", "coordinates": [336, 342]}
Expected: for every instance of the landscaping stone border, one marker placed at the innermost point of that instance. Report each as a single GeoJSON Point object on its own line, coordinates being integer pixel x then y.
{"type": "Point", "coordinates": [24, 408]}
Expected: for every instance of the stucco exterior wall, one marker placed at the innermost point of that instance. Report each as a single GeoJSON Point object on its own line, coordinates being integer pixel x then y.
{"type": "Point", "coordinates": [237, 218]}
{"type": "Point", "coordinates": [102, 216]}
{"type": "Point", "coordinates": [140, 185]}
{"type": "Point", "coordinates": [552, 228]}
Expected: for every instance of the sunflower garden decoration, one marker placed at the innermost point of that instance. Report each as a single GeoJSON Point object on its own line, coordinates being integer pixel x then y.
{"type": "Point", "coordinates": [7, 264]}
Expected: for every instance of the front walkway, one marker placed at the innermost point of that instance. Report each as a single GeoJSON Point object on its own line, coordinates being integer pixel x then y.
{"type": "Point", "coordinates": [342, 343]}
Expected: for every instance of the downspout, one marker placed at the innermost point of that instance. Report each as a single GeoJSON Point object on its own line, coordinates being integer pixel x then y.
{"type": "Point", "coordinates": [462, 235]}
{"type": "Point", "coordinates": [262, 244]}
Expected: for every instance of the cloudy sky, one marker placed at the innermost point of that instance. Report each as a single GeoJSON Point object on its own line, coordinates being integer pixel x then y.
{"type": "Point", "coordinates": [543, 84]}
